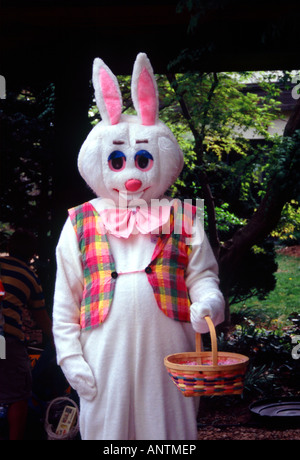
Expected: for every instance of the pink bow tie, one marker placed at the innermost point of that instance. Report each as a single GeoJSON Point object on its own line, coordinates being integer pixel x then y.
{"type": "Point", "coordinates": [122, 222]}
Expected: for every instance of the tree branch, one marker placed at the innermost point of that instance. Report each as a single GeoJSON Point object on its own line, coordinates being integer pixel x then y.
{"type": "Point", "coordinates": [209, 98]}
{"type": "Point", "coordinates": [185, 111]}
{"type": "Point", "coordinates": [202, 176]}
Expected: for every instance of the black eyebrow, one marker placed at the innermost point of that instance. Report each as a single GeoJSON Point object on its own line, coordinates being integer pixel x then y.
{"type": "Point", "coordinates": [142, 141]}
{"type": "Point", "coordinates": [118, 142]}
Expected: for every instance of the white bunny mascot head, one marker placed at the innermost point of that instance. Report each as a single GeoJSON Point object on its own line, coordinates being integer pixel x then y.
{"type": "Point", "coordinates": [129, 157]}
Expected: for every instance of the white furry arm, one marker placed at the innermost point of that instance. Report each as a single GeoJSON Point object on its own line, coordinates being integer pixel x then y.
{"type": "Point", "coordinates": [66, 314]}
{"type": "Point", "coordinates": [67, 295]}
{"type": "Point", "coordinates": [203, 284]}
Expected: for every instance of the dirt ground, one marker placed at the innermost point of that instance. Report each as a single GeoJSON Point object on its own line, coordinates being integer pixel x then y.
{"type": "Point", "coordinates": [290, 251]}
{"type": "Point", "coordinates": [232, 420]}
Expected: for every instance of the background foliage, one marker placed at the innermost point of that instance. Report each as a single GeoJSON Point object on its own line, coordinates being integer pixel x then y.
{"type": "Point", "coordinates": [209, 113]}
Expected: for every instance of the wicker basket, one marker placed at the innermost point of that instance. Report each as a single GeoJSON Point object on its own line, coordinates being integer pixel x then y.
{"type": "Point", "coordinates": [207, 373]}
{"type": "Point", "coordinates": [57, 405]}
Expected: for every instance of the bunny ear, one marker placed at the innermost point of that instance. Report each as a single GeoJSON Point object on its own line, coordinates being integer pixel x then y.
{"type": "Point", "coordinates": [107, 92]}
{"type": "Point", "coordinates": [144, 91]}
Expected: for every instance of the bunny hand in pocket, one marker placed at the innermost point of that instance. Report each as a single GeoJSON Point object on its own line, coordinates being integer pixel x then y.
{"type": "Point", "coordinates": [80, 377]}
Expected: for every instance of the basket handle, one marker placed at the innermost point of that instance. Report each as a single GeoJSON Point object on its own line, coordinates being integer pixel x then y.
{"type": "Point", "coordinates": [213, 339]}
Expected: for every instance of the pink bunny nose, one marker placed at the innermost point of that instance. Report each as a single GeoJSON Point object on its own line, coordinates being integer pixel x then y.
{"type": "Point", "coordinates": [132, 185]}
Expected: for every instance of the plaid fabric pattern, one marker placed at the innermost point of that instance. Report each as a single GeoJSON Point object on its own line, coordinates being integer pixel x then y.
{"type": "Point", "coordinates": [168, 265]}
{"type": "Point", "coordinates": [166, 271]}
{"type": "Point", "coordinates": [98, 265]}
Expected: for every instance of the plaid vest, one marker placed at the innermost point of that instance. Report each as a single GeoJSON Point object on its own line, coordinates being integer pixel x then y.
{"type": "Point", "coordinates": [165, 272]}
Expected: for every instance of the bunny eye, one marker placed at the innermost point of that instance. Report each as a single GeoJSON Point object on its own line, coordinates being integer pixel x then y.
{"type": "Point", "coordinates": [143, 160]}
{"type": "Point", "coordinates": [117, 160]}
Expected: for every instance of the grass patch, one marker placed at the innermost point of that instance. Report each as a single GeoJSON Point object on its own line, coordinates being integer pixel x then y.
{"type": "Point", "coordinates": [284, 299]}
{"type": "Point", "coordinates": [263, 331]}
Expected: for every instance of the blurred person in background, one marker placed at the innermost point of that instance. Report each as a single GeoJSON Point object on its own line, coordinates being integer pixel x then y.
{"type": "Point", "coordinates": [23, 291]}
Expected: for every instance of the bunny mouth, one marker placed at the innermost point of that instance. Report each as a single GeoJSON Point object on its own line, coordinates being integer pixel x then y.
{"type": "Point", "coordinates": [130, 198]}
{"type": "Point", "coordinates": [135, 194]}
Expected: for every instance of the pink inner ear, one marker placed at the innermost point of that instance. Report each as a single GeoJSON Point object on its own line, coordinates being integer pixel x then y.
{"type": "Point", "coordinates": [147, 98]}
{"type": "Point", "coordinates": [111, 96]}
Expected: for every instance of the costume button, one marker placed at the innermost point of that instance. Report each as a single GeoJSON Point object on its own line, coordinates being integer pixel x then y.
{"type": "Point", "coordinates": [114, 275]}
{"type": "Point", "coordinates": [148, 270]}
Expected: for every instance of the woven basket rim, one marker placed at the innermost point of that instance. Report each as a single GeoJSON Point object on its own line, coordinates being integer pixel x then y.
{"type": "Point", "coordinates": [244, 360]}
{"type": "Point", "coordinates": [49, 427]}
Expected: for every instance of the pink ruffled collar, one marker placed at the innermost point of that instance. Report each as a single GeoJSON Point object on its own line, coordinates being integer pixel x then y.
{"type": "Point", "coordinates": [122, 222]}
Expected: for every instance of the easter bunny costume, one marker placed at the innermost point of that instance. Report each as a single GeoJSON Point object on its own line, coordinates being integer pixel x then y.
{"type": "Point", "coordinates": [130, 288]}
